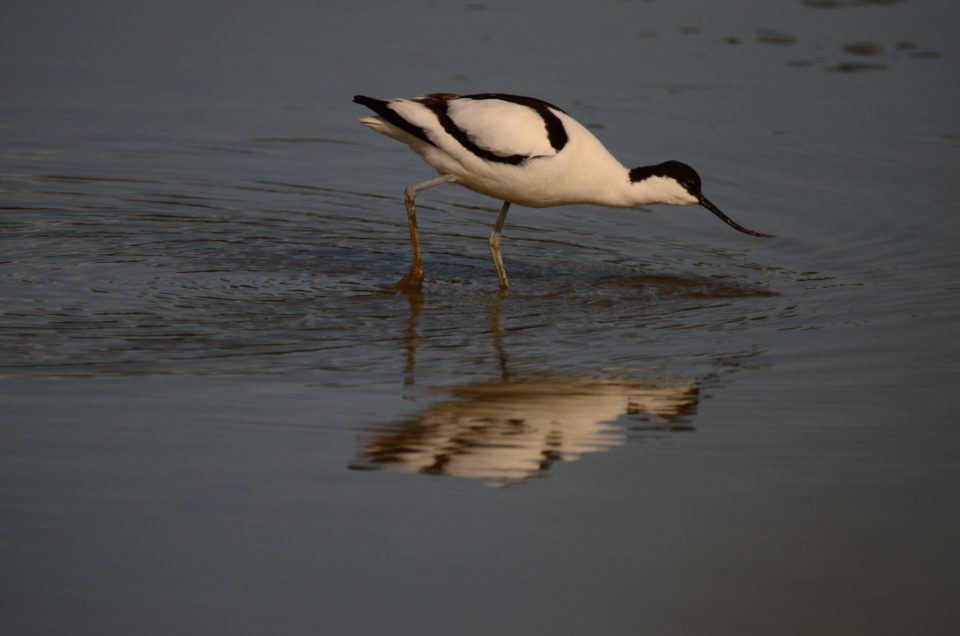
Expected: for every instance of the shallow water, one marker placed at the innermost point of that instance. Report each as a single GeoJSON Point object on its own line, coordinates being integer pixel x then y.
{"type": "Point", "coordinates": [219, 417]}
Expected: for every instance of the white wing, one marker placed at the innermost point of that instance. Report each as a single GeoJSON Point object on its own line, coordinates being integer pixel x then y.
{"type": "Point", "coordinates": [501, 127]}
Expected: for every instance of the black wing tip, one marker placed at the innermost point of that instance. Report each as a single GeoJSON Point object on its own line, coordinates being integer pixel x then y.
{"type": "Point", "coordinates": [367, 101]}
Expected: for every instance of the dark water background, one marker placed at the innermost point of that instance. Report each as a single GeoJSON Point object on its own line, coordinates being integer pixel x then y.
{"type": "Point", "coordinates": [211, 400]}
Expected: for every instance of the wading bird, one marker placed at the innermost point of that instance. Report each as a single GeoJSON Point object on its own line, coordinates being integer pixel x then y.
{"type": "Point", "coordinates": [521, 150]}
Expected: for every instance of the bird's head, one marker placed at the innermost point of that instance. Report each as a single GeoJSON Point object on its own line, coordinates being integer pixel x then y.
{"type": "Point", "coordinates": [676, 183]}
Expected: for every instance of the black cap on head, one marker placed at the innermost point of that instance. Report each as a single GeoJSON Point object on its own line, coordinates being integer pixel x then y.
{"type": "Point", "coordinates": [679, 172]}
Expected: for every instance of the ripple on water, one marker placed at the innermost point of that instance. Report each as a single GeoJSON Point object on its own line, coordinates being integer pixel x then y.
{"type": "Point", "coordinates": [137, 276]}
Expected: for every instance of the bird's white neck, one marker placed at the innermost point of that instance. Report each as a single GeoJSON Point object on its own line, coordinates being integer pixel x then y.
{"type": "Point", "coordinates": [624, 193]}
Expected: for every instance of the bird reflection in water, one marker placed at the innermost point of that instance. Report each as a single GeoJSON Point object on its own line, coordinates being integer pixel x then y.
{"type": "Point", "coordinates": [512, 430]}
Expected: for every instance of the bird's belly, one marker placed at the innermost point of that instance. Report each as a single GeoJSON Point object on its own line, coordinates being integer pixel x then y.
{"type": "Point", "coordinates": [529, 184]}
{"type": "Point", "coordinates": [540, 196]}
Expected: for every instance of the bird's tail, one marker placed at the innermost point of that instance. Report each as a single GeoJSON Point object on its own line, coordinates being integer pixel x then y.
{"type": "Point", "coordinates": [390, 122]}
{"type": "Point", "coordinates": [378, 106]}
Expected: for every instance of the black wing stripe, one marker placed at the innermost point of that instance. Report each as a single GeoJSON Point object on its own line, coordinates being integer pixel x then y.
{"type": "Point", "coordinates": [439, 108]}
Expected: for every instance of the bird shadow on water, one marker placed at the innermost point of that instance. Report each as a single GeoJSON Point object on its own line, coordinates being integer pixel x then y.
{"type": "Point", "coordinates": [515, 428]}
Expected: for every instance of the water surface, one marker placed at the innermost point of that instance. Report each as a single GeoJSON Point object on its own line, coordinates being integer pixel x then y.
{"type": "Point", "coordinates": [219, 417]}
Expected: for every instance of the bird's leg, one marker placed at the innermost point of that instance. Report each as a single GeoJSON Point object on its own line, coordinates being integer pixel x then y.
{"type": "Point", "coordinates": [495, 246]}
{"type": "Point", "coordinates": [414, 280]}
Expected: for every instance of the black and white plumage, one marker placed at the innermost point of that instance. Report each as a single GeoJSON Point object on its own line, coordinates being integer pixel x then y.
{"type": "Point", "coordinates": [521, 150]}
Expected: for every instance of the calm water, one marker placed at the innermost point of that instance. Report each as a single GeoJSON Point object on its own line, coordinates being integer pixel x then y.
{"type": "Point", "coordinates": [216, 416]}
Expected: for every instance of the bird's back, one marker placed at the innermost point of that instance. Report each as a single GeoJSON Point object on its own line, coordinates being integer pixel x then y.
{"type": "Point", "coordinates": [512, 148]}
